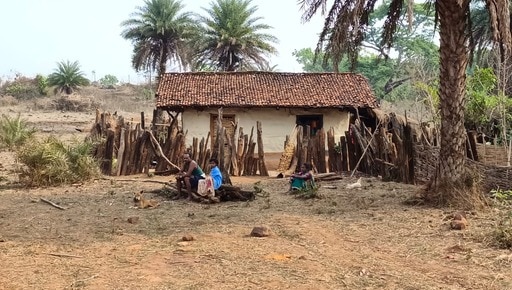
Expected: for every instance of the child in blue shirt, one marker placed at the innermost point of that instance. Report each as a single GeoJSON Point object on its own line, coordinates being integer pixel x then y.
{"type": "Point", "coordinates": [215, 173]}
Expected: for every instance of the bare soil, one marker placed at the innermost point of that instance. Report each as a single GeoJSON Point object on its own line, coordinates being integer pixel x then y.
{"type": "Point", "coordinates": [366, 238]}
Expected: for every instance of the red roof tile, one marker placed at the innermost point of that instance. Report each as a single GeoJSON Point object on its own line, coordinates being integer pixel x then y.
{"type": "Point", "coordinates": [177, 91]}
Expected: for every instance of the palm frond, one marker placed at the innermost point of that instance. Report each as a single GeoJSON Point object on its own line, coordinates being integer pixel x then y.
{"type": "Point", "coordinates": [158, 31]}
{"type": "Point", "coordinates": [67, 77]}
{"type": "Point", "coordinates": [230, 37]}
{"type": "Point", "coordinates": [14, 132]}
{"type": "Point", "coordinates": [51, 162]}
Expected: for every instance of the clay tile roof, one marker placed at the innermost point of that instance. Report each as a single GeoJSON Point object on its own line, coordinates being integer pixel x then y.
{"type": "Point", "coordinates": [177, 91]}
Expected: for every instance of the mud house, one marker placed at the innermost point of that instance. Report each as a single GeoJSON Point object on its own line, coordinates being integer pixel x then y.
{"type": "Point", "coordinates": [280, 101]}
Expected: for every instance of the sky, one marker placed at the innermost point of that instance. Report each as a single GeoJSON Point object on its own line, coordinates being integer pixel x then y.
{"type": "Point", "coordinates": [36, 34]}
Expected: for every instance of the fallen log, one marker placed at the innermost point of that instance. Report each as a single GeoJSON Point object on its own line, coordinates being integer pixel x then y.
{"type": "Point", "coordinates": [233, 193]}
{"type": "Point", "coordinates": [330, 178]}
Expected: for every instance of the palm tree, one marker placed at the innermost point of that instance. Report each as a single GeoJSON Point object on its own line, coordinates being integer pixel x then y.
{"type": "Point", "coordinates": [67, 77]}
{"type": "Point", "coordinates": [159, 33]}
{"type": "Point", "coordinates": [230, 39]}
{"type": "Point", "coordinates": [485, 52]}
{"type": "Point", "coordinates": [345, 24]}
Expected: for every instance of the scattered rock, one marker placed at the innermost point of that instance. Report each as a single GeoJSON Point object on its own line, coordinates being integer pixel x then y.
{"type": "Point", "coordinates": [133, 219]}
{"type": "Point", "coordinates": [262, 231]}
{"type": "Point", "coordinates": [460, 215]}
{"type": "Point", "coordinates": [459, 224]}
{"type": "Point", "coordinates": [187, 238]}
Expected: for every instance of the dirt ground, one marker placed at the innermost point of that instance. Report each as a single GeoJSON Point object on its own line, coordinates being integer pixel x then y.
{"type": "Point", "coordinates": [366, 238]}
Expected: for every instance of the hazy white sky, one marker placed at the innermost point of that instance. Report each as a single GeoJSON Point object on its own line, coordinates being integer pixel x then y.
{"type": "Point", "coordinates": [36, 34]}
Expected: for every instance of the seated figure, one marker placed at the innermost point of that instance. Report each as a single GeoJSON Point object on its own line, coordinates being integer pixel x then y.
{"type": "Point", "coordinates": [302, 179]}
{"type": "Point", "coordinates": [189, 176]}
{"type": "Point", "coordinates": [212, 182]}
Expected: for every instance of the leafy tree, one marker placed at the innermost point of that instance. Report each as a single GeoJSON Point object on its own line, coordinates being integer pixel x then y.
{"type": "Point", "coordinates": [109, 81]}
{"type": "Point", "coordinates": [307, 58]}
{"type": "Point", "coordinates": [159, 32]}
{"type": "Point", "coordinates": [230, 39]}
{"type": "Point", "coordinates": [343, 33]}
{"type": "Point", "coordinates": [377, 71]}
{"type": "Point", "coordinates": [488, 110]}
{"type": "Point", "coordinates": [22, 88]}
{"type": "Point", "coordinates": [42, 84]}
{"type": "Point", "coordinates": [67, 77]}
{"type": "Point", "coordinates": [391, 75]}
{"type": "Point", "coordinates": [484, 52]}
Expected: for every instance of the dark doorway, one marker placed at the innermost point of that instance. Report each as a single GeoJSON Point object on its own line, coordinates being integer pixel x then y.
{"type": "Point", "coordinates": [315, 122]}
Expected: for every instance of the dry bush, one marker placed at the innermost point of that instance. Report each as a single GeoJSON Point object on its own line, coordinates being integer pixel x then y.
{"type": "Point", "coordinates": [51, 162]}
{"type": "Point", "coordinates": [75, 103]}
{"type": "Point", "coordinates": [44, 104]}
{"type": "Point", "coordinates": [125, 98]}
{"type": "Point", "coordinates": [465, 193]}
{"type": "Point", "coordinates": [21, 88]}
{"type": "Point", "coordinates": [8, 101]}
{"type": "Point", "coordinates": [503, 232]}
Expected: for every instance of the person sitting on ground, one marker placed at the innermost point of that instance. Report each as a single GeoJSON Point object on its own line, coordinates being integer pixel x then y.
{"type": "Point", "coordinates": [215, 173]}
{"type": "Point", "coordinates": [300, 180]}
{"type": "Point", "coordinates": [189, 176]}
{"type": "Point", "coordinates": [213, 181]}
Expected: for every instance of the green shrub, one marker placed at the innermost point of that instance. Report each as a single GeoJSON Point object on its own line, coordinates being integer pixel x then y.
{"type": "Point", "coordinates": [14, 132]}
{"type": "Point", "coordinates": [42, 84]}
{"type": "Point", "coordinates": [109, 81]}
{"type": "Point", "coordinates": [503, 232]}
{"type": "Point", "coordinates": [22, 88]}
{"type": "Point", "coordinates": [51, 162]}
{"type": "Point", "coordinates": [502, 196]}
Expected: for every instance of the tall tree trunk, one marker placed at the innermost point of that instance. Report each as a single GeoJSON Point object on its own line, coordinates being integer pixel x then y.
{"type": "Point", "coordinates": [454, 57]}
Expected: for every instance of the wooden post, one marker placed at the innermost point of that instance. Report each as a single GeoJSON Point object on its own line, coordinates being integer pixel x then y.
{"type": "Point", "coordinates": [299, 153]}
{"type": "Point", "coordinates": [321, 151]}
{"type": "Point", "coordinates": [240, 152]}
{"type": "Point", "coordinates": [331, 151]}
{"type": "Point", "coordinates": [195, 141]}
{"type": "Point", "coordinates": [472, 145]}
{"type": "Point", "coordinates": [261, 153]}
{"type": "Point", "coordinates": [233, 151]}
{"type": "Point", "coordinates": [120, 152]}
{"type": "Point", "coordinates": [142, 121]}
{"type": "Point", "coordinates": [243, 164]}
{"type": "Point", "coordinates": [106, 167]}
{"type": "Point", "coordinates": [249, 156]}
{"type": "Point", "coordinates": [128, 148]}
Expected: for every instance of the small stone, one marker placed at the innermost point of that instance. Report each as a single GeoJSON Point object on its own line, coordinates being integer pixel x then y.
{"type": "Point", "coordinates": [459, 224]}
{"type": "Point", "coordinates": [262, 231]}
{"type": "Point", "coordinates": [187, 238]}
{"type": "Point", "coordinates": [133, 219]}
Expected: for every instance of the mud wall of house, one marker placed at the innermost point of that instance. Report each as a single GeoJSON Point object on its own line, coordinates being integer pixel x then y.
{"type": "Point", "coordinates": [492, 154]}
{"type": "Point", "coordinates": [276, 123]}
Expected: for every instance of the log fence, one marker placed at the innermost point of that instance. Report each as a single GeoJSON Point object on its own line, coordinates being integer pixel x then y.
{"type": "Point", "coordinates": [392, 147]}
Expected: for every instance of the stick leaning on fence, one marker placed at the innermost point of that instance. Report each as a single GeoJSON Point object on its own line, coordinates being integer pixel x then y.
{"type": "Point", "coordinates": [160, 152]}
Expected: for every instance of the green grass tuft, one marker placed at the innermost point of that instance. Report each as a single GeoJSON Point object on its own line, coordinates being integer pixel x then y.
{"type": "Point", "coordinates": [14, 132]}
